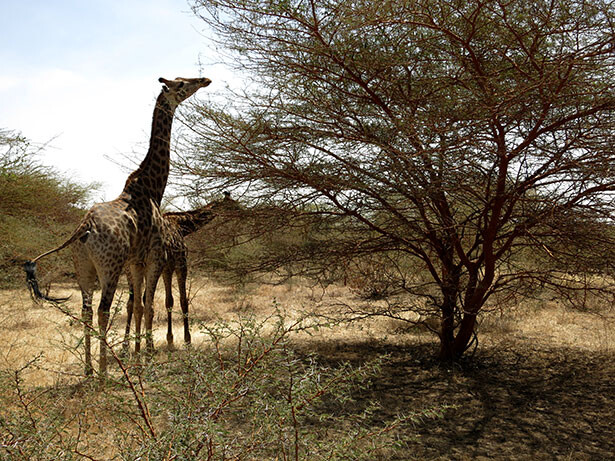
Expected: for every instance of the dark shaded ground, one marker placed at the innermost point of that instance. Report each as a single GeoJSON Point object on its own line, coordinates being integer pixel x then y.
{"type": "Point", "coordinates": [519, 403]}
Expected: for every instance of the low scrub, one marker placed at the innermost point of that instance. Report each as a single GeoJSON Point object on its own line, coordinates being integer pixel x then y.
{"type": "Point", "coordinates": [38, 206]}
{"type": "Point", "coordinates": [249, 394]}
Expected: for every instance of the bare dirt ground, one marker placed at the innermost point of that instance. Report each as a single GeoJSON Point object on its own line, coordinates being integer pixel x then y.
{"type": "Point", "coordinates": [540, 386]}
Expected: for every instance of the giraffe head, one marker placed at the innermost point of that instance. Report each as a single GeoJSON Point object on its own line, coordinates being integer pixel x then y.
{"type": "Point", "coordinates": [177, 90]}
{"type": "Point", "coordinates": [216, 207]}
{"type": "Point", "coordinates": [226, 203]}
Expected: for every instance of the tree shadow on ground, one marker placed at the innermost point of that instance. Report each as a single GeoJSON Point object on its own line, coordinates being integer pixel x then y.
{"type": "Point", "coordinates": [517, 403]}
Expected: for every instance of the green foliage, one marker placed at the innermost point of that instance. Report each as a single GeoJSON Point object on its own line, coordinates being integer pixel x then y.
{"type": "Point", "coordinates": [258, 241]}
{"type": "Point", "coordinates": [33, 424]}
{"type": "Point", "coordinates": [251, 396]}
{"type": "Point", "coordinates": [38, 206]}
{"type": "Point", "coordinates": [248, 394]}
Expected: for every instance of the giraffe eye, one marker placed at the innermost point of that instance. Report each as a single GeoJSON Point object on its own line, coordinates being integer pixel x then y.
{"type": "Point", "coordinates": [181, 85]}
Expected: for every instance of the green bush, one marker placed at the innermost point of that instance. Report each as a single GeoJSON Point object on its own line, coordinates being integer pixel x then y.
{"type": "Point", "coordinates": [38, 207]}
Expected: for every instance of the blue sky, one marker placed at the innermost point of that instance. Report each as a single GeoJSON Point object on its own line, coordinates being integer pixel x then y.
{"type": "Point", "coordinates": [82, 75]}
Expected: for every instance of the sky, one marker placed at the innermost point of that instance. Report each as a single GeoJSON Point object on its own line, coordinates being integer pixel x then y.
{"type": "Point", "coordinates": [82, 76]}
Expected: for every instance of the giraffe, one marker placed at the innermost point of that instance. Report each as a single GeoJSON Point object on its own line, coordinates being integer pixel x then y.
{"type": "Point", "coordinates": [125, 231]}
{"type": "Point", "coordinates": [178, 225]}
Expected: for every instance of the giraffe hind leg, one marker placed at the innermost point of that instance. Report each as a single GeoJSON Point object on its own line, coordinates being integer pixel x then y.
{"type": "Point", "coordinates": [87, 319]}
{"type": "Point", "coordinates": [182, 273]}
{"type": "Point", "coordinates": [86, 278]}
{"type": "Point", "coordinates": [104, 308]}
{"type": "Point", "coordinates": [167, 277]}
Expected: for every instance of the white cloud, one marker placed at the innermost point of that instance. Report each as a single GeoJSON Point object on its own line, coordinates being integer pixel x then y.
{"type": "Point", "coordinates": [6, 83]}
{"type": "Point", "coordinates": [89, 83]}
{"type": "Point", "coordinates": [86, 118]}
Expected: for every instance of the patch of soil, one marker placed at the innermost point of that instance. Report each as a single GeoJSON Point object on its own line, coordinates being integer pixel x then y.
{"type": "Point", "coordinates": [521, 402]}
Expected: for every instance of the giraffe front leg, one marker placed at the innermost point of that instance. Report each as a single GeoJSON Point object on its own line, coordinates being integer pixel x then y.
{"type": "Point", "coordinates": [155, 266]}
{"type": "Point", "coordinates": [148, 312]}
{"type": "Point", "coordinates": [136, 273]}
{"type": "Point", "coordinates": [150, 290]}
{"type": "Point", "coordinates": [129, 311]}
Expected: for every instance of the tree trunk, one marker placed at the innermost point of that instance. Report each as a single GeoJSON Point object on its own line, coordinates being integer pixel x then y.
{"type": "Point", "coordinates": [452, 347]}
{"type": "Point", "coordinates": [451, 274]}
{"type": "Point", "coordinates": [447, 334]}
{"type": "Point", "coordinates": [464, 335]}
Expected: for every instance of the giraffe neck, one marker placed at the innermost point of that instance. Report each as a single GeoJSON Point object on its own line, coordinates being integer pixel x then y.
{"type": "Point", "coordinates": [150, 179]}
{"type": "Point", "coordinates": [191, 221]}
{"type": "Point", "coordinates": [201, 216]}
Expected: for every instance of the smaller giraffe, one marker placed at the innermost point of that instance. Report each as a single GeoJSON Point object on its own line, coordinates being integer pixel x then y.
{"type": "Point", "coordinates": [178, 225]}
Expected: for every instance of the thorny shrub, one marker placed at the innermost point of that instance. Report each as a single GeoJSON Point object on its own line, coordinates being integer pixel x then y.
{"type": "Point", "coordinates": [247, 394]}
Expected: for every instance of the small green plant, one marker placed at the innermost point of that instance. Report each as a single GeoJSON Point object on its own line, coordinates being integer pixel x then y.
{"type": "Point", "coordinates": [34, 423]}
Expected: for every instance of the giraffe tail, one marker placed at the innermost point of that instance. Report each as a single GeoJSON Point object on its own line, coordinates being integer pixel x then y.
{"type": "Point", "coordinates": [32, 281]}
{"type": "Point", "coordinates": [82, 233]}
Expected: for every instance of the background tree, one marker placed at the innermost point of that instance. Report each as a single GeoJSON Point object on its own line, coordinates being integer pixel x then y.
{"type": "Point", "coordinates": [37, 205]}
{"type": "Point", "coordinates": [449, 138]}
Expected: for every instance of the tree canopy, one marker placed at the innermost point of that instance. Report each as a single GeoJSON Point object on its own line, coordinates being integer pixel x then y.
{"type": "Point", "coordinates": [455, 133]}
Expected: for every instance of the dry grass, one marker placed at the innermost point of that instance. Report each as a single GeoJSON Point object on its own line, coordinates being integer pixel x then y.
{"type": "Point", "coordinates": [539, 387]}
{"type": "Point", "coordinates": [554, 325]}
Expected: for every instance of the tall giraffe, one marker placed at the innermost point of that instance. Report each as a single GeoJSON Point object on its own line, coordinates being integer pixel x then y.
{"type": "Point", "coordinates": [178, 225]}
{"type": "Point", "coordinates": [125, 231]}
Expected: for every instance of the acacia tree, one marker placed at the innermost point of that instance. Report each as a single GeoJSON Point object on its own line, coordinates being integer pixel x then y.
{"type": "Point", "coordinates": [455, 132]}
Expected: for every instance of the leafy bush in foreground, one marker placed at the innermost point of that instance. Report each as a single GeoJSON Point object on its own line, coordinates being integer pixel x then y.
{"type": "Point", "coordinates": [248, 395]}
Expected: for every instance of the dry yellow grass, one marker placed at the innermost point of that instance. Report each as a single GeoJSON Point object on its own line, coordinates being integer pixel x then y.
{"type": "Point", "coordinates": [29, 329]}
{"type": "Point", "coordinates": [552, 324]}
{"type": "Point", "coordinates": [543, 366]}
